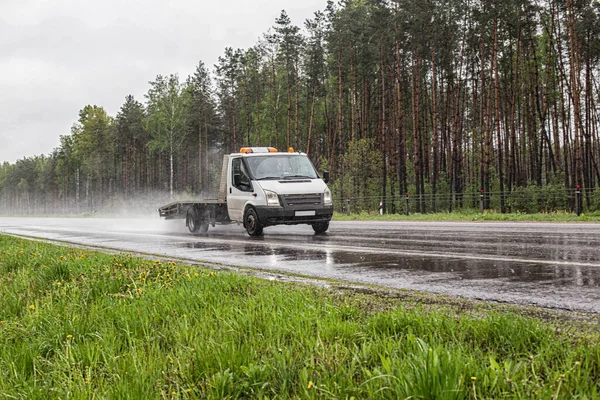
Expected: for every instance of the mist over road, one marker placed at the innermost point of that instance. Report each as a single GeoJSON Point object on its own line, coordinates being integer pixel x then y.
{"type": "Point", "coordinates": [549, 265]}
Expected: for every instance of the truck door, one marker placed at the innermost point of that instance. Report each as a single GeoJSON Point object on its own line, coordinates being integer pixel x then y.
{"type": "Point", "coordinates": [239, 191]}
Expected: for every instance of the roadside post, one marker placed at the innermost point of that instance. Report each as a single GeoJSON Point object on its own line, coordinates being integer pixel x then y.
{"type": "Point", "coordinates": [381, 207]}
{"type": "Point", "coordinates": [578, 200]}
{"type": "Point", "coordinates": [406, 201]}
{"type": "Point", "coordinates": [481, 201]}
{"type": "Point", "coordinates": [348, 205]}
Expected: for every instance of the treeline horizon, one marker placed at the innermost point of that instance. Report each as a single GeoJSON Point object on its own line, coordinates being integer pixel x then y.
{"type": "Point", "coordinates": [437, 99]}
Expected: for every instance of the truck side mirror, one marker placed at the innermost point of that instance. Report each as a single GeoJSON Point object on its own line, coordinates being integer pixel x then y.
{"type": "Point", "coordinates": [326, 176]}
{"type": "Point", "coordinates": [245, 182]}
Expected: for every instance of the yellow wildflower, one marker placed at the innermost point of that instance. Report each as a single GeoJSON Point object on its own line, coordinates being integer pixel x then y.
{"type": "Point", "coordinates": [310, 384]}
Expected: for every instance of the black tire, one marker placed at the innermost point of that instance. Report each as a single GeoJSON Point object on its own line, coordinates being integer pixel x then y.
{"type": "Point", "coordinates": [252, 223]}
{"type": "Point", "coordinates": [194, 223]}
{"type": "Point", "coordinates": [320, 227]}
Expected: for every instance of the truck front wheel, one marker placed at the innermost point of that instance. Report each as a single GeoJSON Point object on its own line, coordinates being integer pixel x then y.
{"type": "Point", "coordinates": [320, 227]}
{"type": "Point", "coordinates": [252, 223]}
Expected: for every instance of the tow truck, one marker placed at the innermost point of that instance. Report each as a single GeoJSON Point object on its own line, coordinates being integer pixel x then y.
{"type": "Point", "coordinates": [261, 187]}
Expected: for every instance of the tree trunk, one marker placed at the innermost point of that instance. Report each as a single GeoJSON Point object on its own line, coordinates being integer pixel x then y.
{"type": "Point", "coordinates": [296, 126]}
{"type": "Point", "coordinates": [434, 180]}
{"type": "Point", "coordinates": [275, 106]}
{"type": "Point", "coordinates": [513, 129]}
{"type": "Point", "coordinates": [171, 172]}
{"type": "Point", "coordinates": [400, 125]}
{"type": "Point", "coordinates": [383, 138]}
{"type": "Point", "coordinates": [416, 133]}
{"type": "Point", "coordinates": [289, 115]}
{"type": "Point", "coordinates": [497, 108]}
{"type": "Point", "coordinates": [257, 100]}
{"type": "Point", "coordinates": [200, 121]}
{"type": "Point", "coordinates": [575, 91]}
{"type": "Point", "coordinates": [247, 107]}
{"type": "Point", "coordinates": [311, 121]}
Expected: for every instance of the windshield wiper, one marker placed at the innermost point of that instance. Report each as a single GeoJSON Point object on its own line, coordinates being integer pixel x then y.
{"type": "Point", "coordinates": [268, 177]}
{"type": "Point", "coordinates": [299, 176]}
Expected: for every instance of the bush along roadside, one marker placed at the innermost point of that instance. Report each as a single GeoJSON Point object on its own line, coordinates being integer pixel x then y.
{"type": "Point", "coordinates": [81, 324]}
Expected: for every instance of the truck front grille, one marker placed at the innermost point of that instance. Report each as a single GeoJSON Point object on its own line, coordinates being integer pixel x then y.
{"type": "Point", "coordinates": [300, 200]}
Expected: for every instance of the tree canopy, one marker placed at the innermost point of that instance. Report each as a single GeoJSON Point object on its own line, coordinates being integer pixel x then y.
{"type": "Point", "coordinates": [438, 99]}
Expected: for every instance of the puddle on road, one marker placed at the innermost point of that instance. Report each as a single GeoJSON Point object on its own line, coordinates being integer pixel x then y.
{"type": "Point", "coordinates": [547, 283]}
{"type": "Point", "coordinates": [387, 264]}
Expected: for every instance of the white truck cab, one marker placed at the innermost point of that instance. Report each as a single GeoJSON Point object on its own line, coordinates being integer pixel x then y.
{"type": "Point", "coordinates": [266, 187]}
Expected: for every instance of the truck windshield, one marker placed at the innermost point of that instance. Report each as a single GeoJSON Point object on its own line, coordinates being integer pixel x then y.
{"type": "Point", "coordinates": [281, 167]}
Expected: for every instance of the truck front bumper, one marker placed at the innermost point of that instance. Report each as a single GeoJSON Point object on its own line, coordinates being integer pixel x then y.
{"type": "Point", "coordinates": [270, 215]}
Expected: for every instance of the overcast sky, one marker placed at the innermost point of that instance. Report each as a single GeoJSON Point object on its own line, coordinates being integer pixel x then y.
{"type": "Point", "coordinates": [56, 56]}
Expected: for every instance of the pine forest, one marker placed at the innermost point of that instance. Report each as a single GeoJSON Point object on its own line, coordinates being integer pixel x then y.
{"type": "Point", "coordinates": [436, 102]}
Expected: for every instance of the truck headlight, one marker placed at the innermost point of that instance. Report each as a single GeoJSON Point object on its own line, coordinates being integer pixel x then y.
{"type": "Point", "coordinates": [272, 198]}
{"type": "Point", "coordinates": [327, 196]}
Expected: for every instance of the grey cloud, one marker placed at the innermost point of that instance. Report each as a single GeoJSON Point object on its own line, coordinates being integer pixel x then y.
{"type": "Point", "coordinates": [57, 56]}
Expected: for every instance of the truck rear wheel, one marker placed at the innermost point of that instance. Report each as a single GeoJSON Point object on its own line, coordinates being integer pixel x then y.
{"type": "Point", "coordinates": [252, 223]}
{"type": "Point", "coordinates": [194, 223]}
{"type": "Point", "coordinates": [320, 227]}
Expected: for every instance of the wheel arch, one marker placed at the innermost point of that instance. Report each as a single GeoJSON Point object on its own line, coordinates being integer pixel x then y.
{"type": "Point", "coordinates": [248, 204]}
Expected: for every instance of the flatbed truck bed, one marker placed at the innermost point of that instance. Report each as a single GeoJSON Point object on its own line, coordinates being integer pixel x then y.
{"type": "Point", "coordinates": [179, 209]}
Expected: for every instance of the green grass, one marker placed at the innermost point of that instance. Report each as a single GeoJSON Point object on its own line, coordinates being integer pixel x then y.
{"type": "Point", "coordinates": [470, 216]}
{"type": "Point", "coordinates": [79, 324]}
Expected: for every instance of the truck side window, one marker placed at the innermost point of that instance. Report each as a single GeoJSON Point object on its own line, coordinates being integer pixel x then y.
{"type": "Point", "coordinates": [240, 177]}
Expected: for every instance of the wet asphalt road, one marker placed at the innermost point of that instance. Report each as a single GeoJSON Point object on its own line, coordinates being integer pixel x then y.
{"type": "Point", "coordinates": [548, 265]}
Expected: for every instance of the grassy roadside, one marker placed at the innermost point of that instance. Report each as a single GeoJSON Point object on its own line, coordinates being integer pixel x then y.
{"type": "Point", "coordinates": [80, 324]}
{"type": "Point", "coordinates": [471, 216]}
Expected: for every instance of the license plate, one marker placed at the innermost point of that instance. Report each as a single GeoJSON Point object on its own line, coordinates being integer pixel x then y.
{"type": "Point", "coordinates": [305, 213]}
